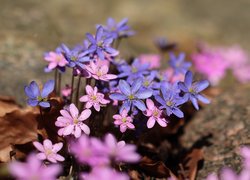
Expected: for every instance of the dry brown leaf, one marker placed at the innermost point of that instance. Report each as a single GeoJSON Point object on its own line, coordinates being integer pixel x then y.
{"type": "Point", "coordinates": [155, 168]}
{"type": "Point", "coordinates": [7, 104]}
{"type": "Point", "coordinates": [17, 127]}
{"type": "Point", "coordinates": [191, 163]}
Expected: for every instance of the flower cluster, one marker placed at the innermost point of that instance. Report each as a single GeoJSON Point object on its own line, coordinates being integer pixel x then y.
{"type": "Point", "coordinates": [214, 62]}
{"type": "Point", "coordinates": [106, 90]}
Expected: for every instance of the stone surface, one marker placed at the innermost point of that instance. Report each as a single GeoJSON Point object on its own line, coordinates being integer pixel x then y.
{"type": "Point", "coordinates": [227, 121]}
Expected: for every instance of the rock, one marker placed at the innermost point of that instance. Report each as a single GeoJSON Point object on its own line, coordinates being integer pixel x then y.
{"type": "Point", "coordinates": [227, 121]}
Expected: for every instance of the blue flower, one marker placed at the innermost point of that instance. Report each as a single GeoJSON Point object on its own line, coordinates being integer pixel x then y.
{"type": "Point", "coordinates": [179, 64]}
{"type": "Point", "coordinates": [192, 90]}
{"type": "Point", "coordinates": [118, 30]}
{"type": "Point", "coordinates": [134, 71]}
{"type": "Point", "coordinates": [100, 44]}
{"type": "Point", "coordinates": [35, 97]}
{"type": "Point", "coordinates": [75, 57]}
{"type": "Point", "coordinates": [131, 95]}
{"type": "Point", "coordinates": [170, 100]}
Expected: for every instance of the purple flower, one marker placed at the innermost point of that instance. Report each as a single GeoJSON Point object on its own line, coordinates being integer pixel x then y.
{"type": "Point", "coordinates": [75, 57]}
{"type": "Point", "coordinates": [163, 45]}
{"type": "Point", "coordinates": [170, 101]}
{"type": "Point", "coordinates": [72, 123]}
{"type": "Point", "coordinates": [35, 97]}
{"type": "Point", "coordinates": [94, 98]}
{"type": "Point", "coordinates": [192, 90]}
{"type": "Point", "coordinates": [131, 95]}
{"type": "Point", "coordinates": [120, 151]}
{"type": "Point", "coordinates": [179, 64]}
{"type": "Point", "coordinates": [133, 71]}
{"type": "Point", "coordinates": [104, 173]}
{"type": "Point", "coordinates": [154, 115]}
{"type": "Point", "coordinates": [49, 151]}
{"type": "Point", "coordinates": [33, 169]}
{"type": "Point", "coordinates": [118, 30]}
{"type": "Point", "coordinates": [124, 121]}
{"type": "Point", "coordinates": [100, 44]}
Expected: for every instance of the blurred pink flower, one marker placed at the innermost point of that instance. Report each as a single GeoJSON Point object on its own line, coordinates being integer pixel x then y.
{"type": "Point", "coordinates": [49, 151]}
{"type": "Point", "coordinates": [93, 98]}
{"type": "Point", "coordinates": [99, 72]}
{"type": "Point", "coordinates": [245, 153]}
{"type": "Point", "coordinates": [242, 73]}
{"type": "Point", "coordinates": [172, 77]}
{"type": "Point", "coordinates": [120, 151]}
{"type": "Point", "coordinates": [124, 121]}
{"type": "Point", "coordinates": [33, 169]}
{"type": "Point", "coordinates": [153, 59]}
{"type": "Point", "coordinates": [104, 173]}
{"type": "Point", "coordinates": [55, 59]}
{"type": "Point", "coordinates": [72, 123]}
{"type": "Point", "coordinates": [66, 92]}
{"type": "Point", "coordinates": [154, 115]}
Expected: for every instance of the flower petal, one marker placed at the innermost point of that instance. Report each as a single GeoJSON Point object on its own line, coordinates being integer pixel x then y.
{"type": "Point", "coordinates": [136, 85]}
{"type": "Point", "coordinates": [73, 111]}
{"type": "Point", "coordinates": [117, 96]}
{"type": "Point", "coordinates": [84, 115]}
{"type": "Point", "coordinates": [124, 87]}
{"type": "Point", "coordinates": [48, 87]}
{"type": "Point", "coordinates": [151, 122]}
{"type": "Point", "coordinates": [140, 105]}
{"type": "Point", "coordinates": [144, 94]}
{"type": "Point", "coordinates": [85, 128]}
{"type": "Point", "coordinates": [188, 79]}
{"type": "Point", "coordinates": [34, 88]}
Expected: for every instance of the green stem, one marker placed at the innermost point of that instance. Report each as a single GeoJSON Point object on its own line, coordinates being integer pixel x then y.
{"type": "Point", "coordinates": [59, 83]}
{"type": "Point", "coordinates": [72, 86]}
{"type": "Point", "coordinates": [77, 91]}
{"type": "Point", "coordinates": [56, 72]}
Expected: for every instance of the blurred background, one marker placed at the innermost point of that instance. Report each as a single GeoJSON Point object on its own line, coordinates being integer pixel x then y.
{"type": "Point", "coordinates": [31, 27]}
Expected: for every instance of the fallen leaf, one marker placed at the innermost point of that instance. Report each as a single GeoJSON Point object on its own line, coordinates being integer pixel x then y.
{"type": "Point", "coordinates": [7, 104]}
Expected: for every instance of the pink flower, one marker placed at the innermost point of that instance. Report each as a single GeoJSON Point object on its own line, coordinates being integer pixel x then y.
{"type": "Point", "coordinates": [155, 115]}
{"type": "Point", "coordinates": [93, 98]}
{"type": "Point", "coordinates": [55, 59]}
{"type": "Point", "coordinates": [172, 77]}
{"type": "Point", "coordinates": [153, 59]}
{"type": "Point", "coordinates": [66, 92]}
{"type": "Point", "coordinates": [124, 121]}
{"type": "Point", "coordinates": [33, 169]}
{"type": "Point", "coordinates": [99, 72]}
{"type": "Point", "coordinates": [89, 151]}
{"type": "Point", "coordinates": [72, 123]}
{"type": "Point", "coordinates": [104, 173]}
{"type": "Point", "coordinates": [49, 151]}
{"type": "Point", "coordinates": [242, 73]}
{"type": "Point", "coordinates": [245, 153]}
{"type": "Point", "coordinates": [120, 151]}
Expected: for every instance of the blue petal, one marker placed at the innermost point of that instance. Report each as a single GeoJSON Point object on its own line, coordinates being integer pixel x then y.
{"type": "Point", "coordinates": [203, 99]}
{"type": "Point", "coordinates": [124, 87]}
{"type": "Point", "coordinates": [126, 105]}
{"type": "Point", "coordinates": [111, 22]}
{"type": "Point", "coordinates": [201, 85]}
{"type": "Point", "coordinates": [111, 51]}
{"type": "Point", "coordinates": [100, 54]}
{"type": "Point", "coordinates": [160, 100]}
{"type": "Point", "coordinates": [140, 105]}
{"type": "Point", "coordinates": [144, 94]}
{"type": "Point", "coordinates": [188, 79]}
{"type": "Point", "coordinates": [28, 92]}
{"type": "Point", "coordinates": [122, 22]}
{"type": "Point", "coordinates": [118, 96]}
{"type": "Point", "coordinates": [32, 102]}
{"type": "Point", "coordinates": [108, 41]}
{"type": "Point", "coordinates": [178, 112]}
{"type": "Point", "coordinates": [44, 104]}
{"type": "Point", "coordinates": [194, 102]}
{"type": "Point", "coordinates": [99, 33]}
{"type": "Point", "coordinates": [182, 86]}
{"type": "Point", "coordinates": [92, 48]}
{"type": "Point", "coordinates": [48, 88]}
{"type": "Point", "coordinates": [90, 38]}
{"type": "Point", "coordinates": [34, 88]}
{"type": "Point", "coordinates": [136, 85]}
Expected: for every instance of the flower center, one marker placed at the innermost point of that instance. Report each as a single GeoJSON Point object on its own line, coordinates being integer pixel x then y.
{"type": "Point", "coordinates": [146, 83]}
{"type": "Point", "coordinates": [94, 98]}
{"type": "Point", "coordinates": [134, 69]}
{"type": "Point", "coordinates": [48, 152]}
{"type": "Point", "coordinates": [99, 73]}
{"type": "Point", "coordinates": [124, 119]}
{"type": "Point", "coordinates": [100, 43]}
{"type": "Point", "coordinates": [155, 113]}
{"type": "Point", "coordinates": [131, 96]}
{"type": "Point", "coordinates": [40, 98]}
{"type": "Point", "coordinates": [191, 90]}
{"type": "Point", "coordinates": [75, 121]}
{"type": "Point", "coordinates": [73, 58]}
{"type": "Point", "coordinates": [169, 103]}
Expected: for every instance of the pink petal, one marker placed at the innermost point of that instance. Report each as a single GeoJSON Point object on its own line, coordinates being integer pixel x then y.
{"type": "Point", "coordinates": [47, 144]}
{"type": "Point", "coordinates": [104, 69]}
{"type": "Point", "coordinates": [52, 159]}
{"type": "Point", "coordinates": [73, 111]}
{"type": "Point", "coordinates": [110, 141]}
{"type": "Point", "coordinates": [39, 146]}
{"type": "Point", "coordinates": [124, 113]}
{"type": "Point", "coordinates": [89, 89]}
{"type": "Point", "coordinates": [97, 107]}
{"type": "Point", "coordinates": [110, 76]}
{"type": "Point", "coordinates": [117, 116]}
{"type": "Point", "coordinates": [84, 115]}
{"type": "Point", "coordinates": [52, 65]}
{"type": "Point", "coordinates": [60, 131]}
{"type": "Point", "coordinates": [18, 169]}
{"type": "Point", "coordinates": [150, 104]}
{"type": "Point", "coordinates": [57, 147]}
{"type": "Point", "coordinates": [162, 122]}
{"type": "Point", "coordinates": [68, 130]}
{"type": "Point", "coordinates": [151, 122]}
{"type": "Point", "coordinates": [77, 132]}
{"type": "Point", "coordinates": [65, 114]}
{"type": "Point", "coordinates": [88, 105]}
{"type": "Point", "coordinates": [118, 122]}
{"type": "Point", "coordinates": [85, 128]}
{"type": "Point", "coordinates": [123, 128]}
{"type": "Point", "coordinates": [84, 98]}
{"type": "Point", "coordinates": [59, 157]}
{"type": "Point", "coordinates": [131, 126]}
{"type": "Point", "coordinates": [41, 156]}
